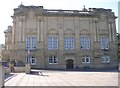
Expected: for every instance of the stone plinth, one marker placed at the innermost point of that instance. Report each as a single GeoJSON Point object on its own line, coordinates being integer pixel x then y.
{"type": "Point", "coordinates": [1, 75]}
{"type": "Point", "coordinates": [27, 68]}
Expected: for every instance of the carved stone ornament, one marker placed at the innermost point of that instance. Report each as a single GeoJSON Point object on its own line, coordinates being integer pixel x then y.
{"type": "Point", "coordinates": [31, 15]}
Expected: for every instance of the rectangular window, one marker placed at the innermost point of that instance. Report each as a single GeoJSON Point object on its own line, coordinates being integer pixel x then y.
{"type": "Point", "coordinates": [106, 59]}
{"type": "Point", "coordinates": [33, 61]}
{"type": "Point", "coordinates": [68, 43]}
{"type": "Point", "coordinates": [85, 59]}
{"type": "Point", "coordinates": [53, 60]}
{"type": "Point", "coordinates": [104, 43]}
{"type": "Point", "coordinates": [31, 43]}
{"type": "Point", "coordinates": [52, 42]}
{"type": "Point", "coordinates": [85, 42]}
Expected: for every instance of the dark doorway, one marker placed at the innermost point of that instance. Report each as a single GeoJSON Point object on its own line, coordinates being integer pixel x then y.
{"type": "Point", "coordinates": [69, 64]}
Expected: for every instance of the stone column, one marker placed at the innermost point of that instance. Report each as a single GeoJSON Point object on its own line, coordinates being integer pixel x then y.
{"type": "Point", "coordinates": [1, 75]}
{"type": "Point", "coordinates": [41, 31]}
{"type": "Point", "coordinates": [20, 31]}
{"type": "Point", "coordinates": [113, 31]}
{"type": "Point", "coordinates": [110, 39]}
{"type": "Point", "coordinates": [23, 28]}
{"type": "Point", "coordinates": [13, 32]}
{"type": "Point", "coordinates": [38, 30]}
{"type": "Point", "coordinates": [95, 32]}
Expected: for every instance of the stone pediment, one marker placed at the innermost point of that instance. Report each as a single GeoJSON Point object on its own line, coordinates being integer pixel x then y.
{"type": "Point", "coordinates": [69, 32]}
{"type": "Point", "coordinates": [52, 31]}
{"type": "Point", "coordinates": [84, 31]}
{"type": "Point", "coordinates": [31, 31]}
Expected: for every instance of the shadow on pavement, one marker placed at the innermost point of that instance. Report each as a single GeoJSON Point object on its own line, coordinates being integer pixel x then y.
{"type": "Point", "coordinates": [39, 73]}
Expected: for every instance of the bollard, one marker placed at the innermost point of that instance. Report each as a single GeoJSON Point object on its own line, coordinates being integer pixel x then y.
{"type": "Point", "coordinates": [27, 68]}
{"type": "Point", "coordinates": [1, 76]}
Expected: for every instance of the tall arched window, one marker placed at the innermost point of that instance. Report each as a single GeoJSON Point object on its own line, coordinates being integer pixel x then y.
{"type": "Point", "coordinates": [69, 40]}
{"type": "Point", "coordinates": [31, 42]}
{"type": "Point", "coordinates": [52, 39]}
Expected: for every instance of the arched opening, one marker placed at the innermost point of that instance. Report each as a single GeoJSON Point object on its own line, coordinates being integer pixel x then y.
{"type": "Point", "coordinates": [69, 64]}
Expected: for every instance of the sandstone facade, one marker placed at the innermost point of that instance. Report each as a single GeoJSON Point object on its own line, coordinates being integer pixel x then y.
{"type": "Point", "coordinates": [62, 39]}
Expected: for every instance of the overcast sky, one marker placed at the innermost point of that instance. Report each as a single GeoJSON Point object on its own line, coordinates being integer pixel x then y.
{"type": "Point", "coordinates": [7, 6]}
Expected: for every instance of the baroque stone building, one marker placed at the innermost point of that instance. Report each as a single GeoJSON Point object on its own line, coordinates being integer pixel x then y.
{"type": "Point", "coordinates": [62, 39]}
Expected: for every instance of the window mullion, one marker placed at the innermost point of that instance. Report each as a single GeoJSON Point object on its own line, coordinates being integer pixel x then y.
{"type": "Point", "coordinates": [52, 42]}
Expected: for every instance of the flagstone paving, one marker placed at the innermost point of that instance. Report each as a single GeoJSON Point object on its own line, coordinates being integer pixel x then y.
{"type": "Point", "coordinates": [63, 78]}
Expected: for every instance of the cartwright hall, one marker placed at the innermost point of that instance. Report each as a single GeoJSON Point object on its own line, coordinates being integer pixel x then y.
{"type": "Point", "coordinates": [62, 39]}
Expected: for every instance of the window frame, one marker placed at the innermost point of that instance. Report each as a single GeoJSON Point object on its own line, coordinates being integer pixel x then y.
{"type": "Point", "coordinates": [34, 61]}
{"type": "Point", "coordinates": [52, 59]}
{"type": "Point", "coordinates": [104, 42]}
{"type": "Point", "coordinates": [85, 59]}
{"type": "Point", "coordinates": [106, 59]}
{"type": "Point", "coordinates": [52, 42]}
{"type": "Point", "coordinates": [84, 42]}
{"type": "Point", "coordinates": [69, 43]}
{"type": "Point", "coordinates": [31, 42]}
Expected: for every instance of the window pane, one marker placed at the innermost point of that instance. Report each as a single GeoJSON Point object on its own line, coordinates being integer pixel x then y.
{"type": "Point", "coordinates": [104, 42]}
{"type": "Point", "coordinates": [49, 42]}
{"type": "Point", "coordinates": [55, 60]}
{"type": "Point", "coordinates": [33, 61]}
{"type": "Point", "coordinates": [82, 42]}
{"type": "Point", "coordinates": [87, 60]}
{"type": "Point", "coordinates": [66, 43]}
{"type": "Point", "coordinates": [106, 59]}
{"type": "Point", "coordinates": [55, 42]}
{"type": "Point", "coordinates": [71, 43]}
{"type": "Point", "coordinates": [50, 60]}
{"type": "Point", "coordinates": [33, 43]}
{"type": "Point", "coordinates": [83, 60]}
{"type": "Point", "coordinates": [28, 41]}
{"type": "Point", "coordinates": [87, 43]}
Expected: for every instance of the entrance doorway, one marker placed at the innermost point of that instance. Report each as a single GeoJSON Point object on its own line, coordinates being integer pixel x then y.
{"type": "Point", "coordinates": [69, 64]}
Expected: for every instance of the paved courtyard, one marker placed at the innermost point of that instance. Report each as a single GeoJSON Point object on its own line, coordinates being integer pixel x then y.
{"type": "Point", "coordinates": [63, 78]}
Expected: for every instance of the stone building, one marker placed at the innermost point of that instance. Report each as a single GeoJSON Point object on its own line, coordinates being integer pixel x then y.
{"type": "Point", "coordinates": [62, 39]}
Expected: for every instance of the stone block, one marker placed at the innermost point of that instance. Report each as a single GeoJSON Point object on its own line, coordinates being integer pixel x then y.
{"type": "Point", "coordinates": [27, 68]}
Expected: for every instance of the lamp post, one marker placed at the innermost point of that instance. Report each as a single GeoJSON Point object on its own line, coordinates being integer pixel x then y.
{"type": "Point", "coordinates": [27, 66]}
{"type": "Point", "coordinates": [28, 62]}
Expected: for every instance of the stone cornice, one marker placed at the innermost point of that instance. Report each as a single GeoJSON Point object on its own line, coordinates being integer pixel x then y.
{"type": "Point", "coordinates": [40, 11]}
